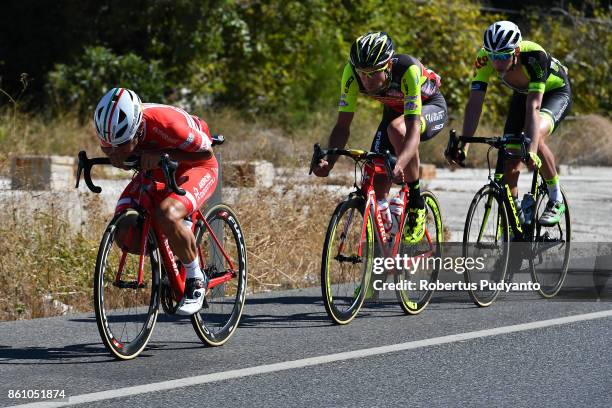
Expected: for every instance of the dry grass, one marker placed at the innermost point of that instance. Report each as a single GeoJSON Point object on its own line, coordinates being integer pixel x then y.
{"type": "Point", "coordinates": [42, 257]}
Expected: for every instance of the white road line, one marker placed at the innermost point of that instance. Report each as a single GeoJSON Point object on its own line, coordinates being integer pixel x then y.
{"type": "Point", "coordinates": [306, 362]}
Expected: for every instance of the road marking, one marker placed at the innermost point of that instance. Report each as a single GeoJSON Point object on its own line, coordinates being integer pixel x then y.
{"type": "Point", "coordinates": [311, 361]}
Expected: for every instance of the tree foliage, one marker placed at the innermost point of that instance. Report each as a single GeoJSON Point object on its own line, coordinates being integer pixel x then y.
{"type": "Point", "coordinates": [280, 58]}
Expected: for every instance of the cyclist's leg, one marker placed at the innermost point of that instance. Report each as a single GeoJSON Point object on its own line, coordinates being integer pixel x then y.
{"type": "Point", "coordinates": [434, 115]}
{"type": "Point", "coordinates": [555, 106]}
{"type": "Point", "coordinates": [515, 123]}
{"type": "Point", "coordinates": [128, 232]}
{"type": "Point", "coordinates": [199, 184]}
{"type": "Point", "coordinates": [381, 143]}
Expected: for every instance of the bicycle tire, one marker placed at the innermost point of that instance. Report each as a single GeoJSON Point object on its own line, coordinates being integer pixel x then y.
{"type": "Point", "coordinates": [218, 320]}
{"type": "Point", "coordinates": [116, 324]}
{"type": "Point", "coordinates": [474, 248]}
{"type": "Point", "coordinates": [543, 243]}
{"type": "Point", "coordinates": [414, 304]}
{"type": "Point", "coordinates": [344, 289]}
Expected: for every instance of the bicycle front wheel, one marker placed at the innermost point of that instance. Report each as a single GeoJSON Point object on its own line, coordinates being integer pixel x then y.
{"type": "Point", "coordinates": [415, 282]}
{"type": "Point", "coordinates": [223, 258]}
{"type": "Point", "coordinates": [126, 308]}
{"type": "Point", "coordinates": [550, 256]}
{"type": "Point", "coordinates": [345, 272]}
{"type": "Point", "coordinates": [486, 237]}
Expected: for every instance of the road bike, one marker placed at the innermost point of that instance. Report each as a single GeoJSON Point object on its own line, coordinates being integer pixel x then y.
{"type": "Point", "coordinates": [130, 283]}
{"type": "Point", "coordinates": [494, 227]}
{"type": "Point", "coordinates": [356, 227]}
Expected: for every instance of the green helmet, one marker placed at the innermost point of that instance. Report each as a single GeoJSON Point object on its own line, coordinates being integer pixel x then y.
{"type": "Point", "coordinates": [371, 50]}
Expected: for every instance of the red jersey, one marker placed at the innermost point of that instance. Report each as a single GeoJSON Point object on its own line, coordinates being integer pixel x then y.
{"type": "Point", "coordinates": [169, 127]}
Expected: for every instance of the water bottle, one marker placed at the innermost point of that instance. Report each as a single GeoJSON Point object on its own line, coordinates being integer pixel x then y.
{"type": "Point", "coordinates": [396, 206]}
{"type": "Point", "coordinates": [519, 210]}
{"type": "Point", "coordinates": [528, 205]}
{"type": "Point", "coordinates": [385, 213]}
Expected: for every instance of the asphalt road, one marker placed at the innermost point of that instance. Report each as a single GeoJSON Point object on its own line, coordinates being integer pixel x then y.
{"type": "Point", "coordinates": [287, 353]}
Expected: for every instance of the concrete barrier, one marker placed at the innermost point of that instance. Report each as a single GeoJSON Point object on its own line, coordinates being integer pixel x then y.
{"type": "Point", "coordinates": [55, 173]}
{"type": "Point", "coordinates": [258, 173]}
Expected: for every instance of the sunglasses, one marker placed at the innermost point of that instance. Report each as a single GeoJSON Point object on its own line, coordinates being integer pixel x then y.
{"type": "Point", "coordinates": [500, 56]}
{"type": "Point", "coordinates": [371, 72]}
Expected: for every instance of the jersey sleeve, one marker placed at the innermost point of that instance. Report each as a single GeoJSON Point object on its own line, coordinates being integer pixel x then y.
{"type": "Point", "coordinates": [348, 90]}
{"type": "Point", "coordinates": [411, 88]}
{"type": "Point", "coordinates": [536, 64]}
{"type": "Point", "coordinates": [189, 137]}
{"type": "Point", "coordinates": [483, 70]}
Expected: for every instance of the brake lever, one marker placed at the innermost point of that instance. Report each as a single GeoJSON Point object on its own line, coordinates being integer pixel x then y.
{"type": "Point", "coordinates": [169, 169]}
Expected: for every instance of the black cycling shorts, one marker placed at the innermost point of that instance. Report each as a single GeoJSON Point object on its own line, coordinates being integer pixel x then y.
{"type": "Point", "coordinates": [434, 112]}
{"type": "Point", "coordinates": [555, 104]}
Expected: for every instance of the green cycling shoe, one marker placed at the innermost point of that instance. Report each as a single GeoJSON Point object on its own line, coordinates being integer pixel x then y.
{"type": "Point", "coordinates": [415, 227]}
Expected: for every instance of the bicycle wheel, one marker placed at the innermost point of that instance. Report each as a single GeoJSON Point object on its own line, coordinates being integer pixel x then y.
{"type": "Point", "coordinates": [126, 312]}
{"type": "Point", "coordinates": [549, 261]}
{"type": "Point", "coordinates": [217, 321]}
{"type": "Point", "coordinates": [486, 236]}
{"type": "Point", "coordinates": [414, 297]}
{"type": "Point", "coordinates": [346, 275]}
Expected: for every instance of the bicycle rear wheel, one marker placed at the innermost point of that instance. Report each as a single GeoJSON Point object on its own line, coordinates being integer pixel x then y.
{"type": "Point", "coordinates": [486, 236]}
{"type": "Point", "coordinates": [346, 275]}
{"type": "Point", "coordinates": [413, 299]}
{"type": "Point", "coordinates": [126, 312]}
{"type": "Point", "coordinates": [551, 249]}
{"type": "Point", "coordinates": [217, 321]}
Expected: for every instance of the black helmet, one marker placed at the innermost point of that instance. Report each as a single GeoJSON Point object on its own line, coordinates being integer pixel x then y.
{"type": "Point", "coordinates": [371, 50]}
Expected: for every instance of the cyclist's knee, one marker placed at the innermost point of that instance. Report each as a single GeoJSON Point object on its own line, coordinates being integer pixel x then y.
{"type": "Point", "coordinates": [170, 212]}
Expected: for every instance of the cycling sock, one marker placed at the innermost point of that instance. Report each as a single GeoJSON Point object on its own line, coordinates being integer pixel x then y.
{"type": "Point", "coordinates": [193, 269]}
{"type": "Point", "coordinates": [554, 189]}
{"type": "Point", "coordinates": [414, 195]}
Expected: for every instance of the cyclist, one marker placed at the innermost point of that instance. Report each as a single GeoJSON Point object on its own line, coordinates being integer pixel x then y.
{"type": "Point", "coordinates": [542, 98]}
{"type": "Point", "coordinates": [125, 126]}
{"type": "Point", "coordinates": [414, 111]}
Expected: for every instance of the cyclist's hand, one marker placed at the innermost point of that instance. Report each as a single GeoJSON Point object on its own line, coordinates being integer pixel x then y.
{"type": "Point", "coordinates": [534, 160]}
{"type": "Point", "coordinates": [456, 157]}
{"type": "Point", "coordinates": [149, 160]}
{"type": "Point", "coordinates": [398, 174]}
{"type": "Point", "coordinates": [322, 169]}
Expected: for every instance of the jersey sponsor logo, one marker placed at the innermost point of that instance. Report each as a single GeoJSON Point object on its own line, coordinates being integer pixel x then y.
{"type": "Point", "coordinates": [411, 106]}
{"type": "Point", "coordinates": [435, 116]}
{"type": "Point", "coordinates": [343, 101]}
{"type": "Point", "coordinates": [165, 136]}
{"type": "Point", "coordinates": [411, 98]}
{"type": "Point", "coordinates": [481, 62]}
{"type": "Point", "coordinates": [438, 127]}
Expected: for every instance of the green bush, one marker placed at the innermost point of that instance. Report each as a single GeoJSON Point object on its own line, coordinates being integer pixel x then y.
{"type": "Point", "coordinates": [81, 85]}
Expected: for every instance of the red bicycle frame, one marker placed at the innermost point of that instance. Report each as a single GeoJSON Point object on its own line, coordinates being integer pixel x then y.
{"type": "Point", "coordinates": [371, 169]}
{"type": "Point", "coordinates": [176, 276]}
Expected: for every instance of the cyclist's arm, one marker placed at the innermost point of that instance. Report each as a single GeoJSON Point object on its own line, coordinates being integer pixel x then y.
{"type": "Point", "coordinates": [340, 134]}
{"type": "Point", "coordinates": [411, 88]}
{"type": "Point", "coordinates": [473, 109]}
{"type": "Point", "coordinates": [532, 119]}
{"type": "Point", "coordinates": [471, 116]}
{"type": "Point", "coordinates": [537, 67]}
{"type": "Point", "coordinates": [346, 110]}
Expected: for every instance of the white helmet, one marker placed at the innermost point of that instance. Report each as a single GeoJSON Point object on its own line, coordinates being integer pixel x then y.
{"type": "Point", "coordinates": [503, 36]}
{"type": "Point", "coordinates": [118, 116]}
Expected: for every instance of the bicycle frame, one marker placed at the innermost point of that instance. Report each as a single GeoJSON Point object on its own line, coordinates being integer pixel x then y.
{"type": "Point", "coordinates": [371, 170]}
{"type": "Point", "coordinates": [176, 277]}
{"type": "Point", "coordinates": [499, 183]}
